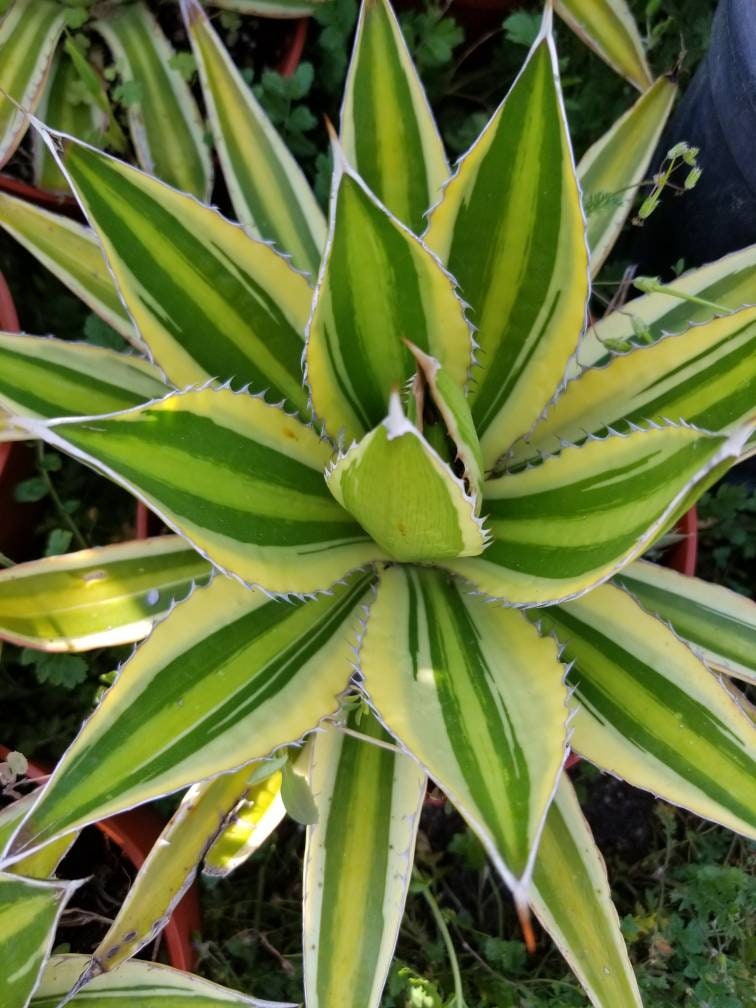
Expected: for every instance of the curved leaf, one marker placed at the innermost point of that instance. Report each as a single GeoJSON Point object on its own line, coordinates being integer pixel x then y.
{"type": "Point", "coordinates": [608, 27]}
{"type": "Point", "coordinates": [226, 678]}
{"type": "Point", "coordinates": [378, 286]}
{"type": "Point", "coordinates": [719, 623]}
{"type": "Point", "coordinates": [651, 712]}
{"type": "Point", "coordinates": [96, 597]}
{"type": "Point", "coordinates": [358, 864]}
{"type": "Point", "coordinates": [510, 228]}
{"type": "Point", "coordinates": [249, 824]}
{"type": "Point", "coordinates": [559, 528]}
{"type": "Point", "coordinates": [456, 681]}
{"type": "Point", "coordinates": [387, 127]}
{"type": "Point", "coordinates": [165, 123]}
{"type": "Point", "coordinates": [240, 478]}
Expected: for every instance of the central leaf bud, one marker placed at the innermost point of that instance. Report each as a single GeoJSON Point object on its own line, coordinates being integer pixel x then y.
{"type": "Point", "coordinates": [403, 493]}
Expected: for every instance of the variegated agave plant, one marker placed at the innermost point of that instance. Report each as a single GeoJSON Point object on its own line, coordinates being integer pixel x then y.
{"type": "Point", "coordinates": [442, 522]}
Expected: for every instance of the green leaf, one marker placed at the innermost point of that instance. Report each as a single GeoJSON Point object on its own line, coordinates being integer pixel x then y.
{"type": "Point", "coordinates": [618, 161]}
{"type": "Point", "coordinates": [164, 120]}
{"type": "Point", "coordinates": [230, 676]}
{"type": "Point", "coordinates": [456, 681]}
{"type": "Point", "coordinates": [65, 670]}
{"type": "Point", "coordinates": [49, 378]}
{"type": "Point", "coordinates": [241, 479]}
{"type": "Point", "coordinates": [29, 33]}
{"type": "Point", "coordinates": [404, 495]}
{"type": "Point", "coordinates": [268, 189]}
{"type": "Point", "coordinates": [705, 376]}
{"type": "Point", "coordinates": [608, 27]}
{"type": "Point", "coordinates": [572, 899]}
{"type": "Point", "coordinates": [378, 286]}
{"type": "Point", "coordinates": [29, 913]}
{"type": "Point", "coordinates": [148, 984]}
{"type": "Point", "coordinates": [297, 796]}
{"type": "Point", "coordinates": [719, 623]}
{"type": "Point", "coordinates": [358, 863]}
{"type": "Point", "coordinates": [387, 127]}
{"type": "Point", "coordinates": [226, 306]}
{"type": "Point", "coordinates": [511, 231]}
{"type": "Point", "coordinates": [71, 252]}
{"type": "Point", "coordinates": [651, 712]}
{"type": "Point", "coordinates": [96, 597]}
{"type": "Point", "coordinates": [559, 528]}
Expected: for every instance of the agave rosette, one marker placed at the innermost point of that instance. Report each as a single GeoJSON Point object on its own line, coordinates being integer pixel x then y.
{"type": "Point", "coordinates": [395, 493]}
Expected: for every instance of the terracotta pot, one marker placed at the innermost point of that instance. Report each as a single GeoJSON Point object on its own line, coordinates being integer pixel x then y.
{"type": "Point", "coordinates": [134, 833]}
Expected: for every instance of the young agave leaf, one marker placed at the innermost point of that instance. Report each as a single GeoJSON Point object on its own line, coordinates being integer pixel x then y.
{"type": "Point", "coordinates": [616, 164]}
{"type": "Point", "coordinates": [651, 712]}
{"type": "Point", "coordinates": [43, 863]}
{"type": "Point", "coordinates": [146, 984]}
{"type": "Point", "coordinates": [559, 528]}
{"type": "Point", "coordinates": [72, 254]}
{"type": "Point", "coordinates": [456, 681]}
{"type": "Point", "coordinates": [719, 623]}
{"type": "Point", "coordinates": [29, 33]}
{"type": "Point", "coordinates": [404, 495]}
{"type": "Point", "coordinates": [228, 678]}
{"type": "Point", "coordinates": [29, 913]}
{"type": "Point", "coordinates": [165, 123]}
{"type": "Point", "coordinates": [572, 899]}
{"type": "Point", "coordinates": [249, 825]}
{"type": "Point", "coordinates": [724, 285]}
{"type": "Point", "coordinates": [206, 299]}
{"type": "Point", "coordinates": [358, 864]}
{"type": "Point", "coordinates": [241, 479]}
{"type": "Point", "coordinates": [44, 377]}
{"type": "Point", "coordinates": [378, 286]}
{"type": "Point", "coordinates": [268, 189]}
{"type": "Point", "coordinates": [61, 110]}
{"type": "Point", "coordinates": [168, 871]}
{"type": "Point", "coordinates": [706, 376]}
{"type": "Point", "coordinates": [387, 127]}
{"type": "Point", "coordinates": [272, 8]}
{"type": "Point", "coordinates": [96, 597]}
{"type": "Point", "coordinates": [608, 27]}
{"type": "Point", "coordinates": [510, 228]}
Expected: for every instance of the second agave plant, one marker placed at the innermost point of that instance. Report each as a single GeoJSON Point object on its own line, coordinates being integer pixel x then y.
{"type": "Point", "coordinates": [409, 514]}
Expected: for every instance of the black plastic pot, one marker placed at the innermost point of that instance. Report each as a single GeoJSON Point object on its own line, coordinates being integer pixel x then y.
{"type": "Point", "coordinates": [718, 115]}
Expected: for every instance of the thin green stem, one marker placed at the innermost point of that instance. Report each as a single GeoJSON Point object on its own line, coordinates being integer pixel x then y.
{"type": "Point", "coordinates": [459, 997]}
{"type": "Point", "coordinates": [64, 515]}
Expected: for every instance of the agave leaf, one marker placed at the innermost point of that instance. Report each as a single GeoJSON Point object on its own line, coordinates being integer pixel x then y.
{"type": "Point", "coordinates": [147, 984]}
{"type": "Point", "coordinates": [249, 825]}
{"type": "Point", "coordinates": [72, 253]}
{"type": "Point", "coordinates": [571, 898]}
{"type": "Point", "coordinates": [29, 913]}
{"type": "Point", "coordinates": [510, 228]}
{"type": "Point", "coordinates": [43, 863]}
{"type": "Point", "coordinates": [268, 189]}
{"type": "Point", "coordinates": [378, 286]}
{"type": "Point", "coordinates": [719, 623]}
{"type": "Point", "coordinates": [560, 528]}
{"type": "Point", "coordinates": [616, 164]}
{"type": "Point", "coordinates": [358, 864]}
{"type": "Point", "coordinates": [272, 8]}
{"type": "Point", "coordinates": [404, 495]}
{"type": "Point", "coordinates": [168, 870]}
{"type": "Point", "coordinates": [96, 597]}
{"type": "Point", "coordinates": [387, 127]}
{"type": "Point", "coordinates": [61, 110]}
{"type": "Point", "coordinates": [228, 677]}
{"type": "Point", "coordinates": [165, 123]}
{"type": "Point", "coordinates": [207, 300]}
{"type": "Point", "coordinates": [241, 479]}
{"type": "Point", "coordinates": [722, 286]}
{"type": "Point", "coordinates": [457, 681]}
{"type": "Point", "coordinates": [46, 378]}
{"type": "Point", "coordinates": [29, 33]}
{"type": "Point", "coordinates": [608, 27]}
{"type": "Point", "coordinates": [706, 376]}
{"type": "Point", "coordinates": [651, 712]}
